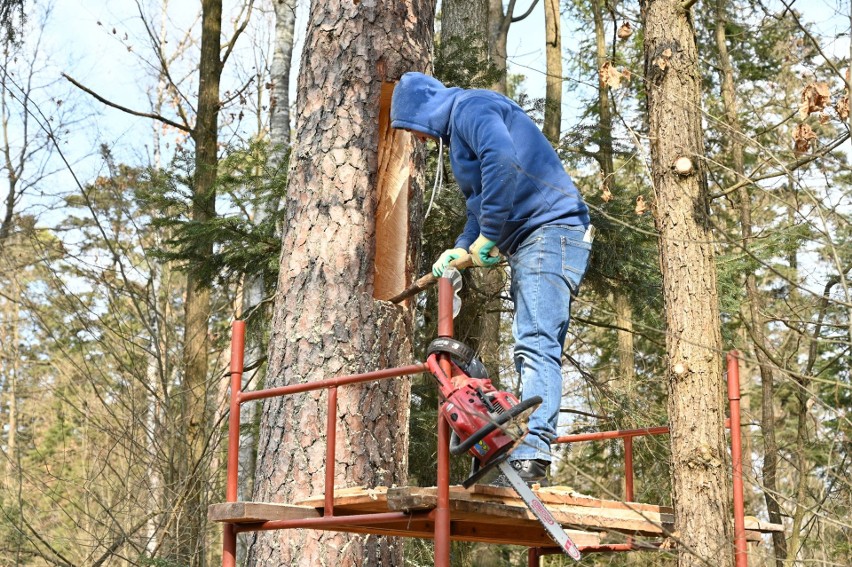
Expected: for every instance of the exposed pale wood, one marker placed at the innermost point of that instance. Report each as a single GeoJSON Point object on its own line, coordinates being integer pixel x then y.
{"type": "Point", "coordinates": [252, 512]}
{"type": "Point", "coordinates": [395, 147]}
{"type": "Point", "coordinates": [351, 499]}
{"type": "Point", "coordinates": [566, 495]}
{"type": "Point", "coordinates": [757, 525]}
{"type": "Point", "coordinates": [622, 520]}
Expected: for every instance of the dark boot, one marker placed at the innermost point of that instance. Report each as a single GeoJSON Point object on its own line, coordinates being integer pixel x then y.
{"type": "Point", "coordinates": [533, 471]}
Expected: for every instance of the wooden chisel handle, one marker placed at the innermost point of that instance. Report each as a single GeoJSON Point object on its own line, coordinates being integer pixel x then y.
{"type": "Point", "coordinates": [429, 280]}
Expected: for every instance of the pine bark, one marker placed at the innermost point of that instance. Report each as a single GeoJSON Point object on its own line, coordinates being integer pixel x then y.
{"type": "Point", "coordinates": [465, 19]}
{"type": "Point", "coordinates": [693, 338]}
{"type": "Point", "coordinates": [326, 322]}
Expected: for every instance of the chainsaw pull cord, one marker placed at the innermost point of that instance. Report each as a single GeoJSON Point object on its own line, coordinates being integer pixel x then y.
{"type": "Point", "coordinates": [439, 177]}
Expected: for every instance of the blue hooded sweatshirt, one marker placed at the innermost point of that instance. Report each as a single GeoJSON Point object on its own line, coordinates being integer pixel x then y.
{"type": "Point", "coordinates": [510, 175]}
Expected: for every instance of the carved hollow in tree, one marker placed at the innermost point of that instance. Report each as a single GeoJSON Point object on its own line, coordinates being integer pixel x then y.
{"type": "Point", "coordinates": [394, 171]}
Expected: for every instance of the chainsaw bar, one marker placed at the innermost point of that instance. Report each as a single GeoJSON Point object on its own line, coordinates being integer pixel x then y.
{"type": "Point", "coordinates": [539, 510]}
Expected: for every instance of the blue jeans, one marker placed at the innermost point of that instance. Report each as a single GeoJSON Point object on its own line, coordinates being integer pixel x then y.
{"type": "Point", "coordinates": [546, 271]}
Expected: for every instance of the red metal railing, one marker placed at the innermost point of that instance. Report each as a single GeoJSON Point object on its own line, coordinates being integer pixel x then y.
{"type": "Point", "coordinates": [441, 514]}
{"type": "Point", "coordinates": [733, 422]}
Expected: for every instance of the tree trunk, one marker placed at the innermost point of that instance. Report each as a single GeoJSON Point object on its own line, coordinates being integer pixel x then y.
{"type": "Point", "coordinates": [326, 322]}
{"type": "Point", "coordinates": [279, 121]}
{"type": "Point", "coordinates": [624, 322]}
{"type": "Point", "coordinates": [464, 19]}
{"type": "Point", "coordinates": [693, 338]}
{"type": "Point", "coordinates": [196, 409]}
{"type": "Point", "coordinates": [498, 34]}
{"type": "Point", "coordinates": [753, 317]}
{"type": "Point", "coordinates": [553, 84]}
{"type": "Point", "coordinates": [623, 309]}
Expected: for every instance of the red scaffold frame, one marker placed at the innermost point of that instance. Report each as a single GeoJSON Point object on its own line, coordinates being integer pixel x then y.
{"type": "Point", "coordinates": [440, 515]}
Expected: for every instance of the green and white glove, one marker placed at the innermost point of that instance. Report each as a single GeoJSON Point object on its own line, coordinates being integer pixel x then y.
{"type": "Point", "coordinates": [445, 259]}
{"type": "Point", "coordinates": [484, 253]}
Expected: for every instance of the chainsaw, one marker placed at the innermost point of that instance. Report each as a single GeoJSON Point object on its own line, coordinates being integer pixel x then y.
{"type": "Point", "coordinates": [486, 423]}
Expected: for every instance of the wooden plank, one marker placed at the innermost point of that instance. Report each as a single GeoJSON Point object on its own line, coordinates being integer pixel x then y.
{"type": "Point", "coordinates": [618, 519]}
{"type": "Point", "coordinates": [252, 512]}
{"type": "Point", "coordinates": [483, 513]}
{"type": "Point", "coordinates": [352, 498]}
{"type": "Point", "coordinates": [567, 495]}
{"type": "Point", "coordinates": [758, 525]}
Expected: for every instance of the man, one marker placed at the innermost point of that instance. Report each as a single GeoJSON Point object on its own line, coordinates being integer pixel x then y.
{"type": "Point", "coordinates": [520, 203]}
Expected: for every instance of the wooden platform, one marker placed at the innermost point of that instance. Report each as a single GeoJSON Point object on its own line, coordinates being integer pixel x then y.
{"type": "Point", "coordinates": [481, 514]}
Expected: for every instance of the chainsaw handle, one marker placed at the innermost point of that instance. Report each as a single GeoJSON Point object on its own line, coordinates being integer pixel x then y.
{"type": "Point", "coordinates": [485, 430]}
{"type": "Point", "coordinates": [429, 280]}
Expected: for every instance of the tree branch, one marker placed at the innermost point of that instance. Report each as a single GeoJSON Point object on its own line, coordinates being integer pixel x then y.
{"type": "Point", "coordinates": [785, 169]}
{"type": "Point", "coordinates": [687, 4]}
{"type": "Point", "coordinates": [238, 32]}
{"type": "Point", "coordinates": [525, 14]}
{"type": "Point", "coordinates": [507, 19]}
{"type": "Point", "coordinates": [162, 119]}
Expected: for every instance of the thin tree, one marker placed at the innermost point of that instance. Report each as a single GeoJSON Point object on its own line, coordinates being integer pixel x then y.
{"type": "Point", "coordinates": [499, 21]}
{"type": "Point", "coordinates": [606, 161]}
{"type": "Point", "coordinates": [257, 288]}
{"type": "Point", "coordinates": [196, 409]}
{"type": "Point", "coordinates": [752, 310]}
{"type": "Point", "coordinates": [553, 63]}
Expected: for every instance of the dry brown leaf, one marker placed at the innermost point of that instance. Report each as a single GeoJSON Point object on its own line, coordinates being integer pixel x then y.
{"type": "Point", "coordinates": [625, 31]}
{"type": "Point", "coordinates": [842, 107]}
{"type": "Point", "coordinates": [606, 194]}
{"type": "Point", "coordinates": [803, 135]}
{"type": "Point", "coordinates": [815, 97]}
{"type": "Point", "coordinates": [823, 118]}
{"type": "Point", "coordinates": [626, 74]}
{"type": "Point", "coordinates": [641, 206]}
{"type": "Point", "coordinates": [610, 76]}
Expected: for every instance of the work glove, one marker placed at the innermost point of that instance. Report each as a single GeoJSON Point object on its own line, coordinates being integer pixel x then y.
{"type": "Point", "coordinates": [484, 253]}
{"type": "Point", "coordinates": [445, 259]}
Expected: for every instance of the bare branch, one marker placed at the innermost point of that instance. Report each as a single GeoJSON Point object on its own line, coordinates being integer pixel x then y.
{"type": "Point", "coordinates": [165, 70]}
{"type": "Point", "coordinates": [784, 169]}
{"type": "Point", "coordinates": [162, 119]}
{"type": "Point", "coordinates": [525, 14]}
{"type": "Point", "coordinates": [239, 32]}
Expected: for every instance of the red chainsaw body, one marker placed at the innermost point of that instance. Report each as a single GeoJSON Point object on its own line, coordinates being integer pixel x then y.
{"type": "Point", "coordinates": [470, 404]}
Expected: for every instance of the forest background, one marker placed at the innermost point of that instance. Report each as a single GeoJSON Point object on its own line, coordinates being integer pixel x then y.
{"type": "Point", "coordinates": [125, 256]}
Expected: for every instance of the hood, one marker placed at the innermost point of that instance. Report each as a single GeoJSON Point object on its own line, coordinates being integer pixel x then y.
{"type": "Point", "coordinates": [422, 103]}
